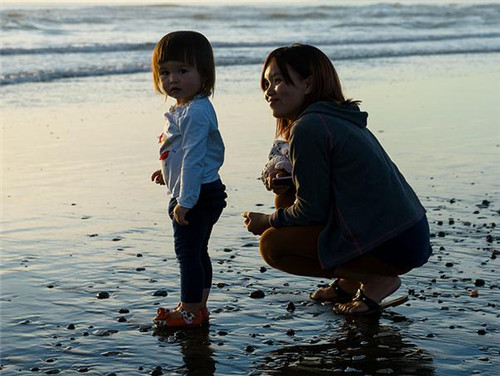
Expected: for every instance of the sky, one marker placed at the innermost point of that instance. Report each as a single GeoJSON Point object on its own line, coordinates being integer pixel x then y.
{"type": "Point", "coordinates": [143, 2]}
{"type": "Point", "coordinates": [55, 2]}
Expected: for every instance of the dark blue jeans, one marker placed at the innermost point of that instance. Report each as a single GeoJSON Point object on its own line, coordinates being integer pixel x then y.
{"type": "Point", "coordinates": [191, 241]}
{"type": "Point", "coordinates": [410, 249]}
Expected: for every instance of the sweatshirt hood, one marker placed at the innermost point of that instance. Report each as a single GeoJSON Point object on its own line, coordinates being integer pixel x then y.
{"type": "Point", "coordinates": [349, 112]}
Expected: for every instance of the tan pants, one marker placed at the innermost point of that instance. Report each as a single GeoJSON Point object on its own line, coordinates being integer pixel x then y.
{"type": "Point", "coordinates": [294, 250]}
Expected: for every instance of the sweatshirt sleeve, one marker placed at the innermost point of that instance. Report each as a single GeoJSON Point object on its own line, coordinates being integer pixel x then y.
{"type": "Point", "coordinates": [194, 129]}
{"type": "Point", "coordinates": [310, 156]}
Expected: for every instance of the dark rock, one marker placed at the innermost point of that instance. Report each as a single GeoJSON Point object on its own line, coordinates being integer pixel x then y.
{"type": "Point", "coordinates": [123, 310]}
{"type": "Point", "coordinates": [160, 293]}
{"type": "Point", "coordinates": [257, 294]}
{"type": "Point", "coordinates": [484, 204]}
{"type": "Point", "coordinates": [157, 371]}
{"type": "Point", "coordinates": [479, 282]}
{"type": "Point", "coordinates": [290, 307]}
{"type": "Point", "coordinates": [103, 295]}
{"type": "Point", "coordinates": [71, 327]}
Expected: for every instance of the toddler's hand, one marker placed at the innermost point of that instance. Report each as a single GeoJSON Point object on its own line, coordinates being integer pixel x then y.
{"type": "Point", "coordinates": [157, 177]}
{"type": "Point", "coordinates": [180, 215]}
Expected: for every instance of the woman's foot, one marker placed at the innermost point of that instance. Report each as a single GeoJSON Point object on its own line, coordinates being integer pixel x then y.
{"type": "Point", "coordinates": [371, 293]}
{"type": "Point", "coordinates": [339, 291]}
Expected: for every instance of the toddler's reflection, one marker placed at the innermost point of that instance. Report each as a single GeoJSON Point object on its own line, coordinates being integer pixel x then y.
{"type": "Point", "coordinates": [198, 355]}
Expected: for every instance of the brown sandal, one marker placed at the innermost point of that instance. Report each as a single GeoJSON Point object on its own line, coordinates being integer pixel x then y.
{"type": "Point", "coordinates": [341, 295]}
{"type": "Point", "coordinates": [373, 307]}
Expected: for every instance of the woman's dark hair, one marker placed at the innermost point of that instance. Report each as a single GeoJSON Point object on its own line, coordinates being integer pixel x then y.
{"type": "Point", "coordinates": [307, 61]}
{"type": "Point", "coordinates": [191, 48]}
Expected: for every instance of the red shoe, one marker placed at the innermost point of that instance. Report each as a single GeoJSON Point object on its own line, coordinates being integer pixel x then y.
{"type": "Point", "coordinates": [161, 315]}
{"type": "Point", "coordinates": [184, 319]}
{"type": "Point", "coordinates": [205, 315]}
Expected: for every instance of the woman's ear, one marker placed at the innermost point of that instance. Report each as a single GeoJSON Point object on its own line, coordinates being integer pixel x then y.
{"type": "Point", "coordinates": [308, 85]}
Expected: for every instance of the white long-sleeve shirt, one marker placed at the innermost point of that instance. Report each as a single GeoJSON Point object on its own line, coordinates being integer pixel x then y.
{"type": "Point", "coordinates": [191, 151]}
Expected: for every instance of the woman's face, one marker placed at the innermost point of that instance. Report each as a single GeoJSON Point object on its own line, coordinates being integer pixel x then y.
{"type": "Point", "coordinates": [285, 100]}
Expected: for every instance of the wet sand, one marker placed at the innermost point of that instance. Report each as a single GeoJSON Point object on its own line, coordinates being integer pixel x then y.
{"type": "Point", "coordinates": [87, 247]}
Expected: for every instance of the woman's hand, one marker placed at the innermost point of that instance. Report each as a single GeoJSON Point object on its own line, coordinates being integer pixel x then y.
{"type": "Point", "coordinates": [180, 215]}
{"type": "Point", "coordinates": [277, 189]}
{"type": "Point", "coordinates": [157, 177]}
{"type": "Point", "coordinates": [256, 223]}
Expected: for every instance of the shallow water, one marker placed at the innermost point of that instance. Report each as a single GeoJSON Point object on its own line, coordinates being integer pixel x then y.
{"type": "Point", "coordinates": [80, 217]}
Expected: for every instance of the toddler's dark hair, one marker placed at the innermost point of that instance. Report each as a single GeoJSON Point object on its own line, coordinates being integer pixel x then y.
{"type": "Point", "coordinates": [191, 48]}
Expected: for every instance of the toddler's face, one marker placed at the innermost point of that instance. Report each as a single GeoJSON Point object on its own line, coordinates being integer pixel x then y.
{"type": "Point", "coordinates": [180, 80]}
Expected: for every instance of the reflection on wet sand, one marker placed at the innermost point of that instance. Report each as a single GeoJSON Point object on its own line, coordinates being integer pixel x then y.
{"type": "Point", "coordinates": [363, 347]}
{"type": "Point", "coordinates": [198, 355]}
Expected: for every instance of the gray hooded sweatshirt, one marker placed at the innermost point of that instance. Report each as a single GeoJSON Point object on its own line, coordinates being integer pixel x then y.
{"type": "Point", "coordinates": [345, 180]}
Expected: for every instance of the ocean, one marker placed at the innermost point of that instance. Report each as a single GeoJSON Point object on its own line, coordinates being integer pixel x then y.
{"type": "Point", "coordinates": [81, 218]}
{"type": "Point", "coordinates": [42, 43]}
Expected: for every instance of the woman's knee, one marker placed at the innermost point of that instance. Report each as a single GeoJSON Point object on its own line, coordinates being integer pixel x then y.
{"type": "Point", "coordinates": [269, 249]}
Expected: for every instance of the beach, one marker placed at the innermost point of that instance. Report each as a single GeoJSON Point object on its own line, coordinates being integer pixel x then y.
{"type": "Point", "coordinates": [87, 248]}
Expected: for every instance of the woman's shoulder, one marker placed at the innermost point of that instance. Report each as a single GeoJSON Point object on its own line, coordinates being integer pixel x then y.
{"type": "Point", "coordinates": [330, 113]}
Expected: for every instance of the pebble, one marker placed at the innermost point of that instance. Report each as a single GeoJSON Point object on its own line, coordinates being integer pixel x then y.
{"type": "Point", "coordinates": [160, 293]}
{"type": "Point", "coordinates": [479, 282]}
{"type": "Point", "coordinates": [257, 294]}
{"type": "Point", "coordinates": [157, 371]}
{"type": "Point", "coordinates": [103, 295]}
